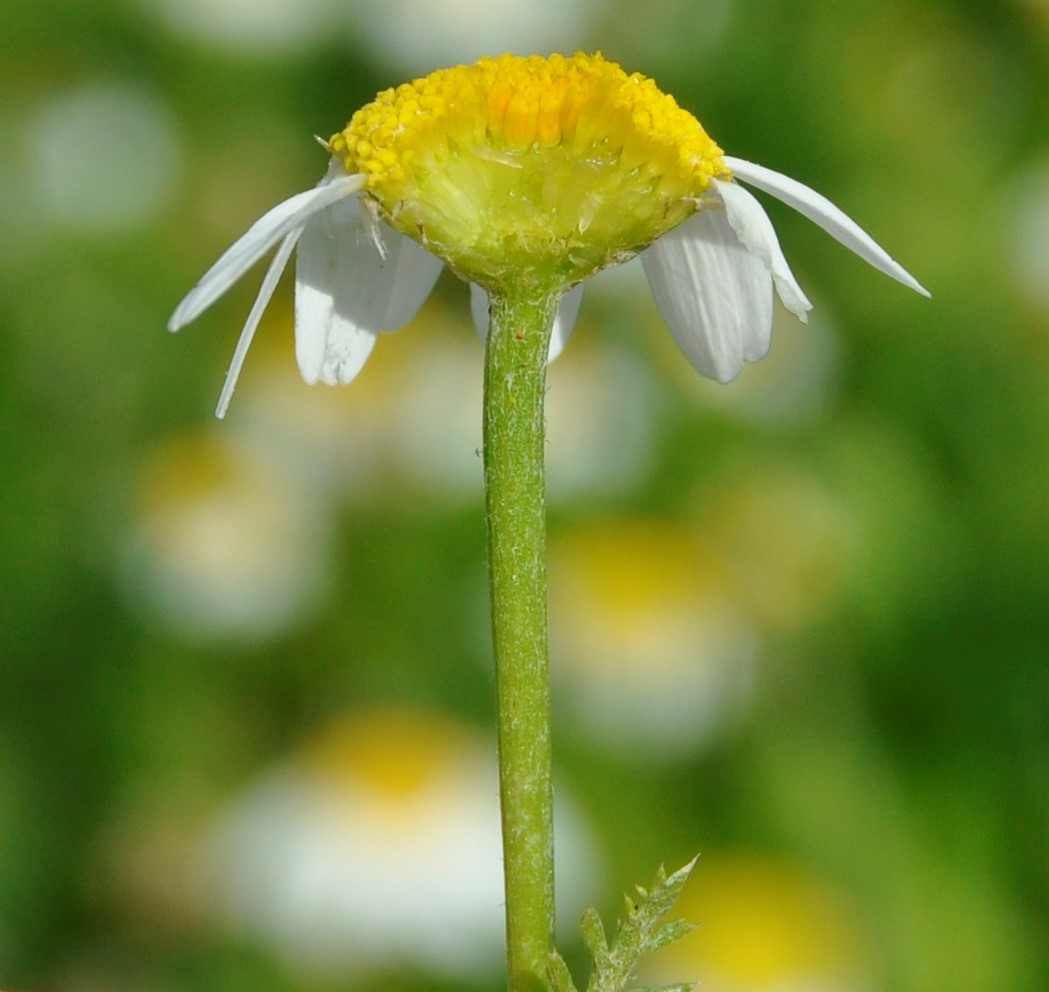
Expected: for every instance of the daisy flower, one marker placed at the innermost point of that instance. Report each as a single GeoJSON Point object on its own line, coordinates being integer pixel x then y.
{"type": "Point", "coordinates": [527, 171]}
{"type": "Point", "coordinates": [376, 847]}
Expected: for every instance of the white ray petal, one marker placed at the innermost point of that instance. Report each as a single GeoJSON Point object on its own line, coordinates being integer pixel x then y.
{"type": "Point", "coordinates": [408, 272]}
{"type": "Point", "coordinates": [479, 310]}
{"type": "Point", "coordinates": [714, 293]}
{"type": "Point", "coordinates": [564, 321]}
{"type": "Point", "coordinates": [269, 283]}
{"type": "Point", "coordinates": [755, 230]}
{"type": "Point", "coordinates": [259, 239]}
{"type": "Point", "coordinates": [346, 292]}
{"type": "Point", "coordinates": [821, 211]}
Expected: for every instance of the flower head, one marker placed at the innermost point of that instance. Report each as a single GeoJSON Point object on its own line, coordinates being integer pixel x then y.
{"type": "Point", "coordinates": [531, 166]}
{"type": "Point", "coordinates": [374, 847]}
{"type": "Point", "coordinates": [527, 171]}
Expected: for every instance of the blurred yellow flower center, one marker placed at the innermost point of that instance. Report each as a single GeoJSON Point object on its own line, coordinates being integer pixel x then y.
{"type": "Point", "coordinates": [397, 754]}
{"type": "Point", "coordinates": [555, 167]}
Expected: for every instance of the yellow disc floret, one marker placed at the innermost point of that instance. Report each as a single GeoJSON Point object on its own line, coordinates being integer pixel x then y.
{"type": "Point", "coordinates": [555, 166]}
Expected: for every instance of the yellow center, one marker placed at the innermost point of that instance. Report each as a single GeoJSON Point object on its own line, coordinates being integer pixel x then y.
{"type": "Point", "coordinates": [554, 167]}
{"type": "Point", "coordinates": [395, 753]}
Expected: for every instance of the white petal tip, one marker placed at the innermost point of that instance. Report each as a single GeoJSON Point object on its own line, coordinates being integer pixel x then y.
{"type": "Point", "coordinates": [826, 215]}
{"type": "Point", "coordinates": [893, 269]}
{"type": "Point", "coordinates": [798, 305]}
{"type": "Point", "coordinates": [226, 395]}
{"type": "Point", "coordinates": [180, 318]}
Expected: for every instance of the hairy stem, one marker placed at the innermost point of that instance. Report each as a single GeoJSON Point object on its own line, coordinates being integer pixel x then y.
{"type": "Point", "coordinates": [515, 495]}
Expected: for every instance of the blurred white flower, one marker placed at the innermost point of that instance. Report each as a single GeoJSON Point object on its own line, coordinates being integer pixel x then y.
{"type": "Point", "coordinates": [435, 440]}
{"type": "Point", "coordinates": [224, 542]}
{"type": "Point", "coordinates": [416, 35]}
{"type": "Point", "coordinates": [102, 157]}
{"type": "Point", "coordinates": [788, 542]}
{"type": "Point", "coordinates": [261, 27]}
{"type": "Point", "coordinates": [600, 415]}
{"type": "Point", "coordinates": [377, 847]}
{"type": "Point", "coordinates": [1029, 238]}
{"type": "Point", "coordinates": [601, 408]}
{"type": "Point", "coordinates": [653, 654]}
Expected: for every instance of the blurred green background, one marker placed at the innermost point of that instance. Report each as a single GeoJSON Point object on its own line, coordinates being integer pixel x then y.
{"type": "Point", "coordinates": [799, 623]}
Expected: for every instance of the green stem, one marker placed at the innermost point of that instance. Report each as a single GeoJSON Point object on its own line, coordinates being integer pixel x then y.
{"type": "Point", "coordinates": [515, 494]}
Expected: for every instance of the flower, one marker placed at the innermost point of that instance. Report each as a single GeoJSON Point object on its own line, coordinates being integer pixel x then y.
{"type": "Point", "coordinates": [527, 171]}
{"type": "Point", "coordinates": [653, 646]}
{"type": "Point", "coordinates": [376, 847]}
{"type": "Point", "coordinates": [224, 541]}
{"type": "Point", "coordinates": [765, 925]}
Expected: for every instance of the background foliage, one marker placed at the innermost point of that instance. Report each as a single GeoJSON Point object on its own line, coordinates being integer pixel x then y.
{"type": "Point", "coordinates": [800, 622]}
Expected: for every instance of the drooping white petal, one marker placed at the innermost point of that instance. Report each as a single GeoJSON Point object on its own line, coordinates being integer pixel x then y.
{"type": "Point", "coordinates": [714, 293]}
{"type": "Point", "coordinates": [269, 283]}
{"type": "Point", "coordinates": [755, 230]}
{"type": "Point", "coordinates": [346, 292]}
{"type": "Point", "coordinates": [259, 239]}
{"type": "Point", "coordinates": [821, 211]}
{"type": "Point", "coordinates": [564, 321]}
{"type": "Point", "coordinates": [408, 272]}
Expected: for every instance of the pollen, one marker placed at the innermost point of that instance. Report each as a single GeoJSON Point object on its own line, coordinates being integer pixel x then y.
{"type": "Point", "coordinates": [558, 165]}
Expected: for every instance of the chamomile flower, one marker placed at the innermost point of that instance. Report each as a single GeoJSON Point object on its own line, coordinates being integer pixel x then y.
{"type": "Point", "coordinates": [765, 925]}
{"type": "Point", "coordinates": [376, 847]}
{"type": "Point", "coordinates": [655, 651]}
{"type": "Point", "coordinates": [527, 171]}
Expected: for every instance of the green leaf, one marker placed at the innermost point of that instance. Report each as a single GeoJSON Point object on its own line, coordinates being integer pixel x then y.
{"type": "Point", "coordinates": [559, 975]}
{"type": "Point", "coordinates": [641, 930]}
{"type": "Point", "coordinates": [593, 931]}
{"type": "Point", "coordinates": [669, 932]}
